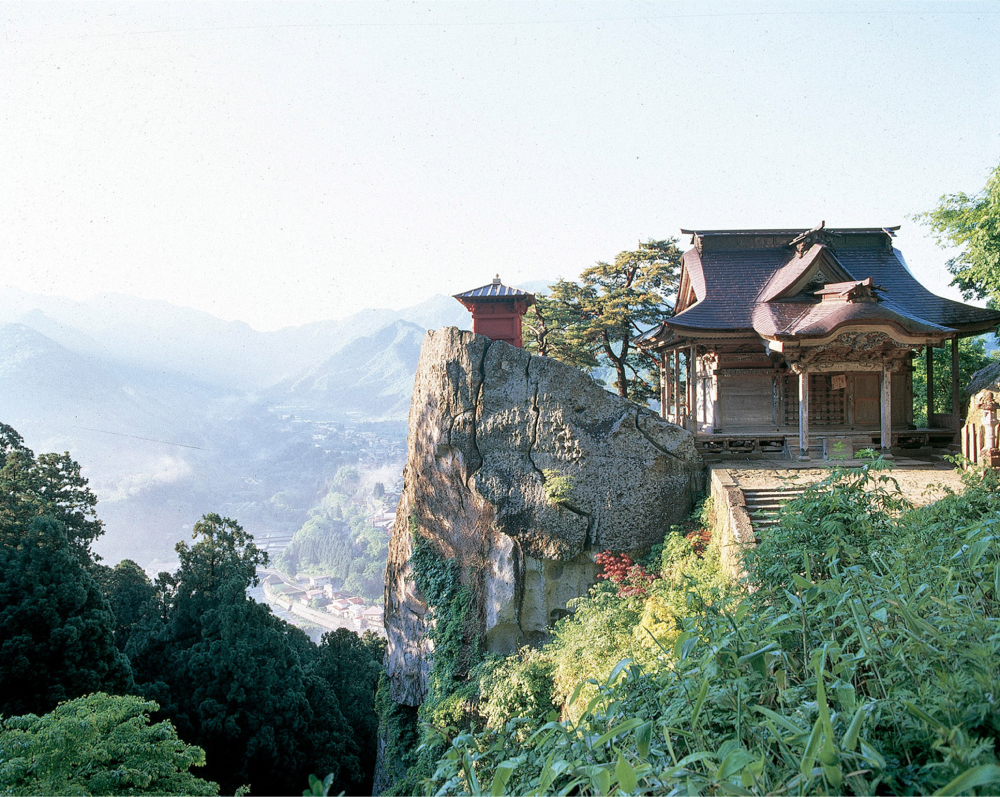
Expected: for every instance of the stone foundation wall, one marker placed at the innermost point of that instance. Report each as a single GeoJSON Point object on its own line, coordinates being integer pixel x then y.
{"type": "Point", "coordinates": [730, 521]}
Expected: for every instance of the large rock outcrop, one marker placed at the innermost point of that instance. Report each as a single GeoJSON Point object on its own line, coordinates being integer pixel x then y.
{"type": "Point", "coordinates": [492, 430]}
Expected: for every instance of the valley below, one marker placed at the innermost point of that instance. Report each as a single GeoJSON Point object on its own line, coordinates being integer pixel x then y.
{"type": "Point", "coordinates": [173, 414]}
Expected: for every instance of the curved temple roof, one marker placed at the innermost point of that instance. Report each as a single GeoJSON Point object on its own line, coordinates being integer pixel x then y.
{"type": "Point", "coordinates": [753, 281]}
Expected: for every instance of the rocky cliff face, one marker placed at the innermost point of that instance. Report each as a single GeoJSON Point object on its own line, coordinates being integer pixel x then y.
{"type": "Point", "coordinates": [522, 468]}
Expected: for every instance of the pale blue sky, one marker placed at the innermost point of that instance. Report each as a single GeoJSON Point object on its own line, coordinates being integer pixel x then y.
{"type": "Point", "coordinates": [285, 163]}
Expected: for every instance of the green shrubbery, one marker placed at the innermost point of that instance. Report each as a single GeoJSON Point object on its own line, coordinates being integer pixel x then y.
{"type": "Point", "coordinates": [99, 744]}
{"type": "Point", "coordinates": [862, 661]}
{"type": "Point", "coordinates": [451, 694]}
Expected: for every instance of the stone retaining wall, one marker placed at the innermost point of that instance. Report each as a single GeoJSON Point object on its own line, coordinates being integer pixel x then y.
{"type": "Point", "coordinates": [730, 521]}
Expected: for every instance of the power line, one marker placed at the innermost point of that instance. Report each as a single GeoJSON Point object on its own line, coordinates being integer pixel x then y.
{"type": "Point", "coordinates": [136, 437]}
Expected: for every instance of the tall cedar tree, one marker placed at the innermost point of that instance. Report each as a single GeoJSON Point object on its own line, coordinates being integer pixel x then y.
{"type": "Point", "coordinates": [56, 628]}
{"type": "Point", "coordinates": [594, 322]}
{"type": "Point", "coordinates": [129, 592]}
{"type": "Point", "coordinates": [236, 680]}
{"type": "Point", "coordinates": [973, 223]}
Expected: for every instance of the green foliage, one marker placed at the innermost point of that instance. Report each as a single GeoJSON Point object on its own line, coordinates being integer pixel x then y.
{"type": "Point", "coordinates": [594, 322]}
{"type": "Point", "coordinates": [861, 664]}
{"type": "Point", "coordinates": [688, 582]}
{"type": "Point", "coordinates": [555, 327]}
{"type": "Point", "coordinates": [351, 666]}
{"type": "Point", "coordinates": [399, 728]}
{"type": "Point", "coordinates": [56, 629]}
{"type": "Point", "coordinates": [595, 637]}
{"type": "Point", "coordinates": [317, 787]}
{"type": "Point", "coordinates": [973, 223]}
{"type": "Point", "coordinates": [338, 540]}
{"type": "Point", "coordinates": [972, 357]}
{"type": "Point", "coordinates": [224, 553]}
{"type": "Point", "coordinates": [558, 488]}
{"type": "Point", "coordinates": [97, 745]}
{"type": "Point", "coordinates": [844, 518]}
{"type": "Point", "coordinates": [47, 486]}
{"type": "Point", "coordinates": [129, 591]}
{"type": "Point", "coordinates": [450, 601]}
{"type": "Point", "coordinates": [263, 702]}
{"type": "Point", "coordinates": [516, 686]}
{"type": "Point", "coordinates": [452, 696]}
{"type": "Point", "coordinates": [56, 637]}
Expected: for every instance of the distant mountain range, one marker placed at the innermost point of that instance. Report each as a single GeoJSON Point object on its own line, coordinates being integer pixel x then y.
{"type": "Point", "coordinates": [173, 412]}
{"type": "Point", "coordinates": [372, 375]}
{"type": "Point", "coordinates": [160, 336]}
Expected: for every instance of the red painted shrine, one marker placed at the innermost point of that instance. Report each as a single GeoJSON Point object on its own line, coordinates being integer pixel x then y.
{"type": "Point", "coordinates": [496, 311]}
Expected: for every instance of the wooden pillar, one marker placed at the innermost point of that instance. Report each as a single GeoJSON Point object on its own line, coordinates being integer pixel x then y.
{"type": "Point", "coordinates": [886, 406]}
{"type": "Point", "coordinates": [692, 389]}
{"type": "Point", "coordinates": [930, 385]}
{"type": "Point", "coordinates": [677, 386]}
{"type": "Point", "coordinates": [803, 412]}
{"type": "Point", "coordinates": [664, 385]}
{"type": "Point", "coordinates": [956, 408]}
{"type": "Point", "coordinates": [712, 383]}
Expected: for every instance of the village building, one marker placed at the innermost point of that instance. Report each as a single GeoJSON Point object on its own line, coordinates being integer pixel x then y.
{"type": "Point", "coordinates": [338, 607]}
{"type": "Point", "coordinates": [792, 343]}
{"type": "Point", "coordinates": [311, 596]}
{"type": "Point", "coordinates": [371, 618]}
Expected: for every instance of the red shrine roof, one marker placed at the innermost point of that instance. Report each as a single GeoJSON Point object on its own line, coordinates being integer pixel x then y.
{"type": "Point", "coordinates": [790, 283]}
{"type": "Point", "coordinates": [495, 291]}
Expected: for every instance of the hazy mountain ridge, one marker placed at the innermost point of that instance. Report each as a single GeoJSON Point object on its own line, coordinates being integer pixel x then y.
{"type": "Point", "coordinates": [231, 354]}
{"type": "Point", "coordinates": [161, 445]}
{"type": "Point", "coordinates": [370, 376]}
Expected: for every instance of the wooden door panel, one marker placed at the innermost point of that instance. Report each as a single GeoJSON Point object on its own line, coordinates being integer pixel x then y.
{"type": "Point", "coordinates": [746, 401]}
{"type": "Point", "coordinates": [867, 400]}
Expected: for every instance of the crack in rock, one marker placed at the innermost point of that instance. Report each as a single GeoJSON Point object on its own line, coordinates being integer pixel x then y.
{"type": "Point", "coordinates": [652, 442]}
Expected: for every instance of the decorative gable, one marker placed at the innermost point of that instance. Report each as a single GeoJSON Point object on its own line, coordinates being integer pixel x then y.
{"type": "Point", "coordinates": [805, 274]}
{"type": "Point", "coordinates": [850, 292]}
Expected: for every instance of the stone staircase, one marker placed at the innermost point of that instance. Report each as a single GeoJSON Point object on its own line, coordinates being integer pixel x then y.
{"type": "Point", "coordinates": [764, 505]}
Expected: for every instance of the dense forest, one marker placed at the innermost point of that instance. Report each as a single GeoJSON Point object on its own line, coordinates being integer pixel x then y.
{"type": "Point", "coordinates": [339, 540]}
{"type": "Point", "coordinates": [858, 656]}
{"type": "Point", "coordinates": [111, 683]}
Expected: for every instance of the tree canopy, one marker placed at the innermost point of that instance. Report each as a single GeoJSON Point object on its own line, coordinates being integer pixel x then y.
{"type": "Point", "coordinates": [48, 485]}
{"type": "Point", "coordinates": [98, 744]}
{"type": "Point", "coordinates": [971, 221]}
{"type": "Point", "coordinates": [248, 688]}
{"type": "Point", "coordinates": [56, 628]}
{"type": "Point", "coordinates": [56, 638]}
{"type": "Point", "coordinates": [593, 322]}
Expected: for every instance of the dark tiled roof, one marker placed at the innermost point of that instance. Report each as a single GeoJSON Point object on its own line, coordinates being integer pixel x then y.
{"type": "Point", "coordinates": [730, 284]}
{"type": "Point", "coordinates": [786, 276]}
{"type": "Point", "coordinates": [495, 290]}
{"type": "Point", "coordinates": [732, 280]}
{"type": "Point", "coordinates": [806, 320]}
{"type": "Point", "coordinates": [788, 232]}
{"type": "Point", "coordinates": [901, 287]}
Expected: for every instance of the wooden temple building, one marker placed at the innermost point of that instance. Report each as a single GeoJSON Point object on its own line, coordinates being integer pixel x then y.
{"type": "Point", "coordinates": [800, 343]}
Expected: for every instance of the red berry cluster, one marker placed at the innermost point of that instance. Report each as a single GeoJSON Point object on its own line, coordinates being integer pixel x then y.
{"type": "Point", "coordinates": [633, 580]}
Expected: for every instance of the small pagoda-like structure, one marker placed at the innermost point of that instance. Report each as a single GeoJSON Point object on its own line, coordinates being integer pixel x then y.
{"type": "Point", "coordinates": [496, 310]}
